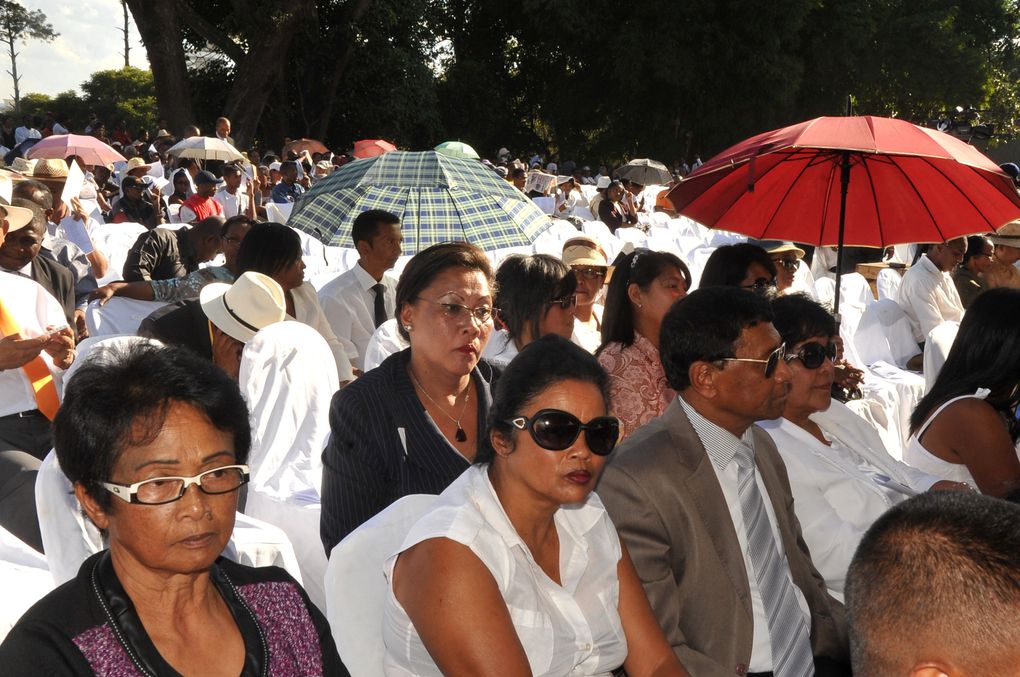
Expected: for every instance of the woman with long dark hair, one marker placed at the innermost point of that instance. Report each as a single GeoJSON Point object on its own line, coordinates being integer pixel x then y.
{"type": "Point", "coordinates": [965, 428]}
{"type": "Point", "coordinates": [644, 286]}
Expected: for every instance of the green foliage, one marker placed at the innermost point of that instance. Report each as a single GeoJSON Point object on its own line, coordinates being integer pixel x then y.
{"type": "Point", "coordinates": [24, 24]}
{"type": "Point", "coordinates": [126, 94]}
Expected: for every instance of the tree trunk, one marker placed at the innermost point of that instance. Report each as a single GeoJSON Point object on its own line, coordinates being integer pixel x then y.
{"type": "Point", "coordinates": [9, 39]}
{"type": "Point", "coordinates": [127, 41]}
{"type": "Point", "coordinates": [357, 10]}
{"type": "Point", "coordinates": [161, 35]}
{"type": "Point", "coordinates": [262, 68]}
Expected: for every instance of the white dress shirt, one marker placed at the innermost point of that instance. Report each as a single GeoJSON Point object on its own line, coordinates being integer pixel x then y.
{"type": "Point", "coordinates": [384, 342]}
{"type": "Point", "coordinates": [307, 310]}
{"type": "Point", "coordinates": [929, 297]}
{"type": "Point", "coordinates": [840, 490]}
{"type": "Point", "coordinates": [233, 204]}
{"type": "Point", "coordinates": [349, 305]}
{"type": "Point", "coordinates": [713, 437]}
{"type": "Point", "coordinates": [34, 309]}
{"type": "Point", "coordinates": [568, 629]}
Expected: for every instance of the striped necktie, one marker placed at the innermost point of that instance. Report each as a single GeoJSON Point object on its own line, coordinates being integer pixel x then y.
{"type": "Point", "coordinates": [36, 369]}
{"type": "Point", "coordinates": [789, 634]}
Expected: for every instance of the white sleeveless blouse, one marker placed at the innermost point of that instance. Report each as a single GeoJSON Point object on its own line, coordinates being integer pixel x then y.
{"type": "Point", "coordinates": [916, 455]}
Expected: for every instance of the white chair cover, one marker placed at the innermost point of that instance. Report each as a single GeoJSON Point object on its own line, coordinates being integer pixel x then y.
{"type": "Point", "coordinates": [24, 579]}
{"type": "Point", "coordinates": [114, 240]}
{"type": "Point", "coordinates": [888, 283]}
{"type": "Point", "coordinates": [884, 335]}
{"type": "Point", "coordinates": [825, 289]}
{"type": "Point", "coordinates": [120, 315]}
{"type": "Point", "coordinates": [853, 288]}
{"type": "Point", "coordinates": [288, 378]}
{"type": "Point", "coordinates": [356, 585]}
{"type": "Point", "coordinates": [278, 212]}
{"type": "Point", "coordinates": [936, 349]}
{"type": "Point", "coordinates": [635, 236]}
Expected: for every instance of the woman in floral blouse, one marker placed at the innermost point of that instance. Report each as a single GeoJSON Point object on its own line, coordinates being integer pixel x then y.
{"type": "Point", "coordinates": [644, 285]}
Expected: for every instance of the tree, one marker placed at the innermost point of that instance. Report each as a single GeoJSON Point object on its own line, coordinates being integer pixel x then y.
{"type": "Point", "coordinates": [18, 24]}
{"type": "Point", "coordinates": [158, 27]}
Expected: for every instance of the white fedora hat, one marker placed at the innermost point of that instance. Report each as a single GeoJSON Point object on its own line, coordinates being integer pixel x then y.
{"type": "Point", "coordinates": [17, 217]}
{"type": "Point", "coordinates": [239, 310]}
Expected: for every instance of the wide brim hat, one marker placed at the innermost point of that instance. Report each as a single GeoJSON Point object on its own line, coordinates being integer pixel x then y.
{"type": "Point", "coordinates": [51, 168]}
{"type": "Point", "coordinates": [1008, 235]}
{"type": "Point", "coordinates": [136, 163]}
{"type": "Point", "coordinates": [240, 310]}
{"type": "Point", "coordinates": [17, 217]}
{"type": "Point", "coordinates": [778, 247]}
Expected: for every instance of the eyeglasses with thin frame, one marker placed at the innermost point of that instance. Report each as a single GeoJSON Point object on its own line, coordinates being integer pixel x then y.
{"type": "Point", "coordinates": [564, 302]}
{"type": "Point", "coordinates": [790, 264]}
{"type": "Point", "coordinates": [160, 490]}
{"type": "Point", "coordinates": [812, 355]}
{"type": "Point", "coordinates": [589, 273]}
{"type": "Point", "coordinates": [458, 311]}
{"type": "Point", "coordinates": [760, 285]}
{"type": "Point", "coordinates": [770, 362]}
{"type": "Point", "coordinates": [557, 430]}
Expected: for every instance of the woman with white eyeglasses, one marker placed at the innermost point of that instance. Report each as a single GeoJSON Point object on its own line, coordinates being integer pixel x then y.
{"type": "Point", "coordinates": [517, 569]}
{"type": "Point", "coordinates": [155, 441]}
{"type": "Point", "coordinates": [413, 424]}
{"type": "Point", "coordinates": [841, 475]}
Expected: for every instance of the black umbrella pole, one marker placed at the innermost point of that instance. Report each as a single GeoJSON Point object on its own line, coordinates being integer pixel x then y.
{"type": "Point", "coordinates": [844, 186]}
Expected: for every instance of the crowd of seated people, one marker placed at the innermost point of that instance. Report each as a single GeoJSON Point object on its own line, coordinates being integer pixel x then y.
{"type": "Point", "coordinates": [636, 468]}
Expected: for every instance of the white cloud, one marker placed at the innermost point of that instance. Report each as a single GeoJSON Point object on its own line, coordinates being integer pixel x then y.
{"type": "Point", "coordinates": [90, 40]}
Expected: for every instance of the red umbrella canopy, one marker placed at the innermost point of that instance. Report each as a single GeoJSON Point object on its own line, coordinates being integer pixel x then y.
{"type": "Point", "coordinates": [906, 184]}
{"type": "Point", "coordinates": [90, 149]}
{"type": "Point", "coordinates": [301, 145]}
{"type": "Point", "coordinates": [371, 148]}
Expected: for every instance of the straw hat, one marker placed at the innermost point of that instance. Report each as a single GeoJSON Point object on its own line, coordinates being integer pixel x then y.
{"type": "Point", "coordinates": [239, 310]}
{"type": "Point", "coordinates": [583, 251]}
{"type": "Point", "coordinates": [136, 163]}
{"type": "Point", "coordinates": [778, 247]}
{"type": "Point", "coordinates": [23, 166]}
{"type": "Point", "coordinates": [1008, 235]}
{"type": "Point", "coordinates": [50, 168]}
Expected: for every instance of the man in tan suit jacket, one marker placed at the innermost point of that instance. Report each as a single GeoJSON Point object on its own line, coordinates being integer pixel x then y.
{"type": "Point", "coordinates": [663, 490]}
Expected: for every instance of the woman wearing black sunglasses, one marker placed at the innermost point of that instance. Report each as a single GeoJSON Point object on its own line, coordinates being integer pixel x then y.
{"type": "Point", "coordinates": [842, 476]}
{"type": "Point", "coordinates": [518, 569]}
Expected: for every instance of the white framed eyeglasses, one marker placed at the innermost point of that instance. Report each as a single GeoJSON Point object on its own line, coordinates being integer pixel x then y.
{"type": "Point", "coordinates": [160, 490]}
{"type": "Point", "coordinates": [770, 362]}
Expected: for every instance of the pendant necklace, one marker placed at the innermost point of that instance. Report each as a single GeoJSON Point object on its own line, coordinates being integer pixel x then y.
{"type": "Point", "coordinates": [460, 435]}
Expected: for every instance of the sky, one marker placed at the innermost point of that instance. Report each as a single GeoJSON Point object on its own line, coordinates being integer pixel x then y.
{"type": "Point", "coordinates": [90, 40]}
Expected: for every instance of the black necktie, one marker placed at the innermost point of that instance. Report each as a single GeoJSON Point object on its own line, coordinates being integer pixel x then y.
{"type": "Point", "coordinates": [380, 303]}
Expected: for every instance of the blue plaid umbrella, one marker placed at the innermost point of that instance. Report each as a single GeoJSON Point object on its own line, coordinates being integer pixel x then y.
{"type": "Point", "coordinates": [437, 197]}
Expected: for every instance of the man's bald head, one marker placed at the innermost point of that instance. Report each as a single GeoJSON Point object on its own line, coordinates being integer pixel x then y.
{"type": "Point", "coordinates": [936, 582]}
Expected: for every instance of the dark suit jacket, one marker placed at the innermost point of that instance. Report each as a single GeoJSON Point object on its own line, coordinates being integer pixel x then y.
{"type": "Point", "coordinates": [58, 281]}
{"type": "Point", "coordinates": [366, 466]}
{"type": "Point", "coordinates": [184, 324]}
{"type": "Point", "coordinates": [664, 496]}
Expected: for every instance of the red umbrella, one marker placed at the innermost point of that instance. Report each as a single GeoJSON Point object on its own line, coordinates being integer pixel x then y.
{"type": "Point", "coordinates": [371, 148]}
{"type": "Point", "coordinates": [862, 181]}
{"type": "Point", "coordinates": [91, 150]}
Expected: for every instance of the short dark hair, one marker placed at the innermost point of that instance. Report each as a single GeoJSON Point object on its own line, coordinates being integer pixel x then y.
{"type": "Point", "coordinates": [38, 222]}
{"type": "Point", "coordinates": [120, 397]}
{"type": "Point", "coordinates": [985, 354]}
{"type": "Point", "coordinates": [639, 267]}
{"type": "Point", "coordinates": [705, 327]}
{"type": "Point", "coordinates": [941, 570]}
{"type": "Point", "coordinates": [542, 363]}
{"type": "Point", "coordinates": [727, 266]}
{"type": "Point", "coordinates": [36, 191]}
{"type": "Point", "coordinates": [526, 284]}
{"type": "Point", "coordinates": [366, 224]}
{"type": "Point", "coordinates": [975, 246]}
{"type": "Point", "coordinates": [288, 164]}
{"type": "Point", "coordinates": [799, 317]}
{"type": "Point", "coordinates": [268, 248]}
{"type": "Point", "coordinates": [231, 168]}
{"type": "Point", "coordinates": [428, 264]}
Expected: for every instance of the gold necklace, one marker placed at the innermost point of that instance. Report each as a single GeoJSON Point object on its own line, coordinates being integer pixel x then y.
{"type": "Point", "coordinates": [460, 435]}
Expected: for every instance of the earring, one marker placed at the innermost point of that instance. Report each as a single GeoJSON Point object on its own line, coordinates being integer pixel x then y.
{"type": "Point", "coordinates": [407, 328]}
{"type": "Point", "coordinates": [638, 305]}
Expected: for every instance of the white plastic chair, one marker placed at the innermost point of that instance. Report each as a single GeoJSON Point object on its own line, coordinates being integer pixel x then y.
{"type": "Point", "coordinates": [120, 315]}
{"type": "Point", "coordinates": [635, 236]}
{"type": "Point", "coordinates": [115, 240]}
{"type": "Point", "coordinates": [24, 579]}
{"type": "Point", "coordinates": [888, 283]}
{"type": "Point", "coordinates": [884, 335]}
{"type": "Point", "coordinates": [936, 349]}
{"type": "Point", "coordinates": [356, 585]}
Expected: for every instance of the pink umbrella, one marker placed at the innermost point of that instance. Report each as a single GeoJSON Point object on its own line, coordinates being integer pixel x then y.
{"type": "Point", "coordinates": [91, 150]}
{"type": "Point", "coordinates": [371, 148]}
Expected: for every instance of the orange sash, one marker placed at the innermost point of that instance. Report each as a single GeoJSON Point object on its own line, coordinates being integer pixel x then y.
{"type": "Point", "coordinates": [36, 370]}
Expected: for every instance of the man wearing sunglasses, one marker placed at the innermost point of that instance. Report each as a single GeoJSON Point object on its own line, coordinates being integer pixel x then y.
{"type": "Point", "coordinates": [701, 498]}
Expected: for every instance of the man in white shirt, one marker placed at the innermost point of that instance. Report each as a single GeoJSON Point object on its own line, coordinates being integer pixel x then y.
{"type": "Point", "coordinates": [927, 294]}
{"type": "Point", "coordinates": [360, 300]}
{"type": "Point", "coordinates": [701, 499]}
{"type": "Point", "coordinates": [230, 196]}
{"type": "Point", "coordinates": [36, 346]}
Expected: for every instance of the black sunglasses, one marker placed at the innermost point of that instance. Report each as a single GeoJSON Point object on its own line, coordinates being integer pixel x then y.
{"type": "Point", "coordinates": [770, 362]}
{"type": "Point", "coordinates": [564, 302]}
{"type": "Point", "coordinates": [760, 285]}
{"type": "Point", "coordinates": [556, 430]}
{"type": "Point", "coordinates": [790, 264]}
{"type": "Point", "coordinates": [813, 354]}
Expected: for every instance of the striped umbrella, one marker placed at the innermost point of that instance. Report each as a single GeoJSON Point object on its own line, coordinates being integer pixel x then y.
{"type": "Point", "coordinates": [437, 197]}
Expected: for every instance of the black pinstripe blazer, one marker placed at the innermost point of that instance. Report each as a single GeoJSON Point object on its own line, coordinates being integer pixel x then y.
{"type": "Point", "coordinates": [366, 466]}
